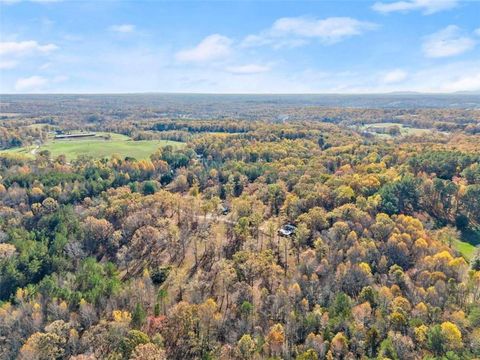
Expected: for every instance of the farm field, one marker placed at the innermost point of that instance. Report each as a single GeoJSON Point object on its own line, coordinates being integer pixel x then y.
{"type": "Point", "coordinates": [377, 129]}
{"type": "Point", "coordinates": [98, 147]}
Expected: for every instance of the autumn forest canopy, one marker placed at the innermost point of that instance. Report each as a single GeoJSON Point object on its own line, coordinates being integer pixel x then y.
{"type": "Point", "coordinates": [239, 227]}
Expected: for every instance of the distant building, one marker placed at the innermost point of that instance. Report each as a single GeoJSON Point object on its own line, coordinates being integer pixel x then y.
{"type": "Point", "coordinates": [287, 230]}
{"type": "Point", "coordinates": [70, 136]}
{"type": "Point", "coordinates": [224, 209]}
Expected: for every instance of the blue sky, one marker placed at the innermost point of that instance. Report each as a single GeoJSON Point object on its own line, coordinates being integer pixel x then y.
{"type": "Point", "coordinates": [118, 46]}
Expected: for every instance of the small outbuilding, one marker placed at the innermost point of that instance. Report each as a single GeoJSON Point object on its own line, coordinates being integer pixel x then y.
{"type": "Point", "coordinates": [287, 230]}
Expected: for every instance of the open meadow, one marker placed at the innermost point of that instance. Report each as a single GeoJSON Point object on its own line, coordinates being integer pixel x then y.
{"type": "Point", "coordinates": [101, 146]}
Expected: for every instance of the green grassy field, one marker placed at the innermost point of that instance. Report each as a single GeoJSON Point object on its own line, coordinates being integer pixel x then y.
{"type": "Point", "coordinates": [466, 249]}
{"type": "Point", "coordinates": [98, 147]}
{"type": "Point", "coordinates": [470, 241]}
{"type": "Point", "coordinates": [404, 130]}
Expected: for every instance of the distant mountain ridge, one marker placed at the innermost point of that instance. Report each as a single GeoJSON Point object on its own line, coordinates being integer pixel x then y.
{"type": "Point", "coordinates": [408, 99]}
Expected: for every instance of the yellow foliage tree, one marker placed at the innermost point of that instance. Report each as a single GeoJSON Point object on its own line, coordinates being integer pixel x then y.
{"type": "Point", "coordinates": [452, 334]}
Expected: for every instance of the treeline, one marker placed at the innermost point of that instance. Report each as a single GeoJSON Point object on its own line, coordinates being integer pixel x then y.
{"type": "Point", "coordinates": [204, 126]}
{"type": "Point", "coordinates": [11, 137]}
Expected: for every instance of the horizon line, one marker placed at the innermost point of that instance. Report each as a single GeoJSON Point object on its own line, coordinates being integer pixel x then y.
{"type": "Point", "coordinates": [474, 92]}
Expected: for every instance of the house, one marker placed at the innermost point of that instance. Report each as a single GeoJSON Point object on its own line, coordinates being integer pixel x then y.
{"type": "Point", "coordinates": [287, 230]}
{"type": "Point", "coordinates": [224, 209]}
{"type": "Point", "coordinates": [74, 136]}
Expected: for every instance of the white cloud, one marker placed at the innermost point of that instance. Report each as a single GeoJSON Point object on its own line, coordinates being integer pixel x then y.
{"type": "Point", "coordinates": [7, 64]}
{"type": "Point", "coordinates": [122, 28]}
{"type": "Point", "coordinates": [470, 82]}
{"type": "Point", "coordinates": [447, 42]}
{"type": "Point", "coordinates": [275, 42]}
{"type": "Point", "coordinates": [394, 76]}
{"type": "Point", "coordinates": [477, 32]}
{"type": "Point", "coordinates": [213, 47]}
{"type": "Point", "coordinates": [25, 47]}
{"type": "Point", "coordinates": [148, 75]}
{"type": "Point", "coordinates": [330, 29]}
{"type": "Point", "coordinates": [296, 31]}
{"type": "Point", "coordinates": [32, 83]}
{"type": "Point", "coordinates": [428, 7]}
{"type": "Point", "coordinates": [457, 76]}
{"type": "Point", "coordinates": [248, 69]}
{"type": "Point", "coordinates": [11, 52]}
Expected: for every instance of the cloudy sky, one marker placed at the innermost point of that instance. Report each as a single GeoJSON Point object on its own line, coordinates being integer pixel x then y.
{"type": "Point", "coordinates": [115, 46]}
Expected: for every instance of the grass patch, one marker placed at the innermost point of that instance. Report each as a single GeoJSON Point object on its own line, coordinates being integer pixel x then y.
{"type": "Point", "coordinates": [404, 130]}
{"type": "Point", "coordinates": [466, 249]}
{"type": "Point", "coordinates": [100, 146]}
{"type": "Point", "coordinates": [470, 240]}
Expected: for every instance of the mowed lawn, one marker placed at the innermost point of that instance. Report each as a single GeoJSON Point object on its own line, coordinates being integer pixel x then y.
{"type": "Point", "coordinates": [469, 243]}
{"type": "Point", "coordinates": [99, 148]}
{"type": "Point", "coordinates": [465, 248]}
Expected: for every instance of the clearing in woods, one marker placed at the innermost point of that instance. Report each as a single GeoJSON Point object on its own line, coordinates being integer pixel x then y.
{"type": "Point", "coordinates": [101, 145]}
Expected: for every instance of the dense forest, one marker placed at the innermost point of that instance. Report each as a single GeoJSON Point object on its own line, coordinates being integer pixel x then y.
{"type": "Point", "coordinates": [302, 238]}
